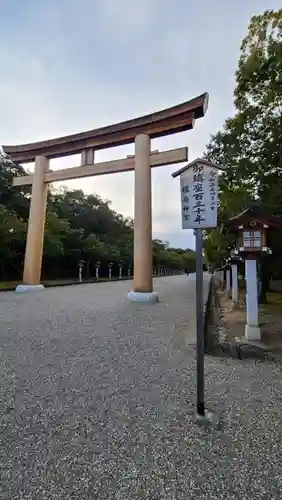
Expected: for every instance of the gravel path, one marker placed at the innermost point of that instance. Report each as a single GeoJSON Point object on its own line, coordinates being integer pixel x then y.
{"type": "Point", "coordinates": [97, 401]}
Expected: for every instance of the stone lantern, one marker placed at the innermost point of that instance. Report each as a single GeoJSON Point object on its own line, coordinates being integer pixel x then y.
{"type": "Point", "coordinates": [80, 269]}
{"type": "Point", "coordinates": [110, 266]}
{"type": "Point", "coordinates": [234, 260]}
{"type": "Point", "coordinates": [120, 267]}
{"type": "Point", "coordinates": [97, 267]}
{"type": "Point", "coordinates": [250, 228]}
{"type": "Point", "coordinates": [227, 272]}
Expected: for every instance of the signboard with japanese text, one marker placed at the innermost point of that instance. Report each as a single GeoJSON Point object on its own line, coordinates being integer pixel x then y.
{"type": "Point", "coordinates": [199, 196]}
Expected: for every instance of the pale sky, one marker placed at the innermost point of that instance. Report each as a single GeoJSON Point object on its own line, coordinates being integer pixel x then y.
{"type": "Point", "coordinates": [73, 65]}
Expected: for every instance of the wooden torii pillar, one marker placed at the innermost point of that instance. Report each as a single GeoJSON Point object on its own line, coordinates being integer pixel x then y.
{"type": "Point", "coordinates": [36, 224]}
{"type": "Point", "coordinates": [143, 252]}
{"type": "Point", "coordinates": [142, 163]}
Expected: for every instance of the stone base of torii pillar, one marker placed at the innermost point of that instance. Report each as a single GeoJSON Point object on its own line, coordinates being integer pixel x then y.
{"type": "Point", "coordinates": [142, 296]}
{"type": "Point", "coordinates": [29, 288]}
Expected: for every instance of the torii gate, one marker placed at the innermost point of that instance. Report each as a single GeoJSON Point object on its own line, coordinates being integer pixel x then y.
{"type": "Point", "coordinates": [140, 130]}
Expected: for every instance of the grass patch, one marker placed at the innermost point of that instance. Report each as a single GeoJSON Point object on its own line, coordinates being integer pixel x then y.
{"type": "Point", "coordinates": [13, 284]}
{"type": "Point", "coordinates": [274, 304]}
{"type": "Point", "coordinates": [6, 285]}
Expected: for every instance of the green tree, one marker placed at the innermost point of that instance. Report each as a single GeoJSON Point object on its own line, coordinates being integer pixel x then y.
{"type": "Point", "coordinates": [13, 198]}
{"type": "Point", "coordinates": [250, 143]}
{"type": "Point", "coordinates": [12, 235]}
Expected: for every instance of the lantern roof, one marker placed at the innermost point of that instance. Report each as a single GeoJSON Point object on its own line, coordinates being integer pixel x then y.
{"type": "Point", "coordinates": [254, 212]}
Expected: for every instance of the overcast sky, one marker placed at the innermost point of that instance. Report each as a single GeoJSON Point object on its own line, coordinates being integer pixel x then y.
{"type": "Point", "coordinates": [72, 65]}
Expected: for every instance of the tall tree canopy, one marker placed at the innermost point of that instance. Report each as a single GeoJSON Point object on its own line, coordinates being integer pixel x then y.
{"type": "Point", "coordinates": [250, 143]}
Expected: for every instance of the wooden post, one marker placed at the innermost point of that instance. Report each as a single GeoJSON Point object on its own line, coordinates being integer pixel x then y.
{"type": "Point", "coordinates": [142, 280]}
{"type": "Point", "coordinates": [87, 157]}
{"type": "Point", "coordinates": [36, 223]}
{"type": "Point", "coordinates": [228, 283]}
{"type": "Point", "coordinates": [235, 296]}
{"type": "Point", "coordinates": [143, 255]}
{"type": "Point", "coordinates": [222, 277]}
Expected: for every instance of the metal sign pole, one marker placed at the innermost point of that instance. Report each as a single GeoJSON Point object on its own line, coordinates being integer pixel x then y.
{"type": "Point", "coordinates": [199, 205]}
{"type": "Point", "coordinates": [200, 322]}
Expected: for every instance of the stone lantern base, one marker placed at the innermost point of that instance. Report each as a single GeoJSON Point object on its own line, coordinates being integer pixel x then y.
{"type": "Point", "coordinates": [252, 332]}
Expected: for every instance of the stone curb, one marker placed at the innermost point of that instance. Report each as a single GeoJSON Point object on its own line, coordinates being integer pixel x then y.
{"type": "Point", "coordinates": [88, 282]}
{"type": "Point", "coordinates": [240, 348]}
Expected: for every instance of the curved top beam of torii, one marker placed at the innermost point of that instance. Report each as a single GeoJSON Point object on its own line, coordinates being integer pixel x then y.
{"type": "Point", "coordinates": [168, 121]}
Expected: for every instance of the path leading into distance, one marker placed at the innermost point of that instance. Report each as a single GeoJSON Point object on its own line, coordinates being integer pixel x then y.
{"type": "Point", "coordinates": [97, 399]}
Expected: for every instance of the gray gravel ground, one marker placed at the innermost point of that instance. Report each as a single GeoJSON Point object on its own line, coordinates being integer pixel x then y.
{"type": "Point", "coordinates": [97, 401]}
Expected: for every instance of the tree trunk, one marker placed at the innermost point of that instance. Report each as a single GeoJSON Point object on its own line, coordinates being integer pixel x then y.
{"type": "Point", "coordinates": [265, 280]}
{"type": "Point", "coordinates": [88, 269]}
{"type": "Point", "coordinates": [3, 271]}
